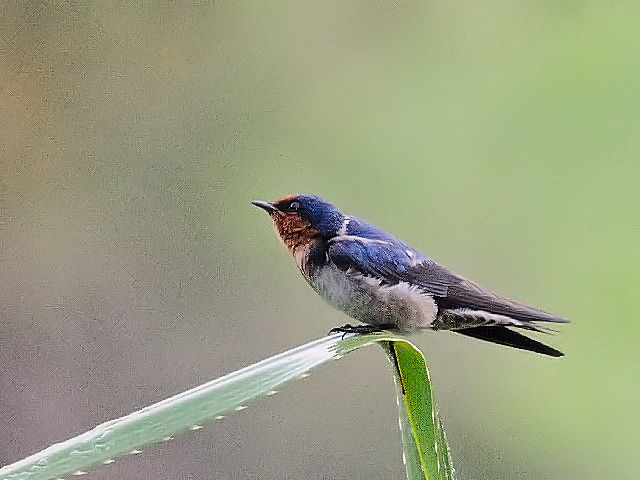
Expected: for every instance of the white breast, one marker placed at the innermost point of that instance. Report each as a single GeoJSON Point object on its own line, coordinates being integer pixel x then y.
{"type": "Point", "coordinates": [364, 298]}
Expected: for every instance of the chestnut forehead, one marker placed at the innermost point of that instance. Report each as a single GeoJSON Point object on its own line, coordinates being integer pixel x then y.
{"type": "Point", "coordinates": [286, 198]}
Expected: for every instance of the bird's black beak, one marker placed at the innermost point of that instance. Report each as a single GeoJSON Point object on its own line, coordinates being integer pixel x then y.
{"type": "Point", "coordinates": [270, 208]}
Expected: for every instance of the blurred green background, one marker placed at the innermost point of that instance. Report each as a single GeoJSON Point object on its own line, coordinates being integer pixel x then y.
{"type": "Point", "coordinates": [501, 139]}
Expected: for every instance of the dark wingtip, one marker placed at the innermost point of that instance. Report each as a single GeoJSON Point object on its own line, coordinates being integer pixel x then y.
{"type": "Point", "coordinates": [561, 320]}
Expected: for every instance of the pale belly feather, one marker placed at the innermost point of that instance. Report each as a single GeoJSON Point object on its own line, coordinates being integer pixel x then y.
{"type": "Point", "coordinates": [366, 300]}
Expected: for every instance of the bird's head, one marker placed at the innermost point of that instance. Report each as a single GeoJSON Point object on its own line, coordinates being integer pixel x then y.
{"type": "Point", "coordinates": [299, 219]}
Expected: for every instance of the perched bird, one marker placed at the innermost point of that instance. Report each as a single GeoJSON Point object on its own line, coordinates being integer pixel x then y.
{"type": "Point", "coordinates": [385, 284]}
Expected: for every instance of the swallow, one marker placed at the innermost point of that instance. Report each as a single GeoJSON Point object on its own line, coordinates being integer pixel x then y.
{"type": "Point", "coordinates": [387, 285]}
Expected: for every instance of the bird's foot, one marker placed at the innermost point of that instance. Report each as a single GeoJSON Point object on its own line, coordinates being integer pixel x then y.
{"type": "Point", "coordinates": [359, 329]}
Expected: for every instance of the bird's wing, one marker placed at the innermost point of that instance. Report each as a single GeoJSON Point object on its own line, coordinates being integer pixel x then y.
{"type": "Point", "coordinates": [394, 262]}
{"type": "Point", "coordinates": [389, 261]}
{"type": "Point", "coordinates": [464, 294]}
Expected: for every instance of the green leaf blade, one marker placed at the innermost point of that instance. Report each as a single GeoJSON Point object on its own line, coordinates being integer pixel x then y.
{"type": "Point", "coordinates": [187, 410]}
{"type": "Point", "coordinates": [428, 448]}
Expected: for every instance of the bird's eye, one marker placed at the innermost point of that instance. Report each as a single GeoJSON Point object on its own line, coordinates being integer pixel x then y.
{"type": "Point", "coordinates": [294, 206]}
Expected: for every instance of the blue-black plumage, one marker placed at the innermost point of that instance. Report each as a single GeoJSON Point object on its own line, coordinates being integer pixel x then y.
{"type": "Point", "coordinates": [384, 283]}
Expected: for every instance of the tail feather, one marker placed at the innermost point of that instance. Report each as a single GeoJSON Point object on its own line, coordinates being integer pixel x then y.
{"type": "Point", "coordinates": [504, 336]}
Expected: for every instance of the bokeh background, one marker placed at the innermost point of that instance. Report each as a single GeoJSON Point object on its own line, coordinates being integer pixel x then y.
{"type": "Point", "coordinates": [502, 139]}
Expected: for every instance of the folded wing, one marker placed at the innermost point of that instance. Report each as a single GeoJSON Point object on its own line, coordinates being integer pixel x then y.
{"type": "Point", "coordinates": [394, 262]}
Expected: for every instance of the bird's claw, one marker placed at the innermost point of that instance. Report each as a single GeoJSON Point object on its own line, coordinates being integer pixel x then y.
{"type": "Point", "coordinates": [358, 329]}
